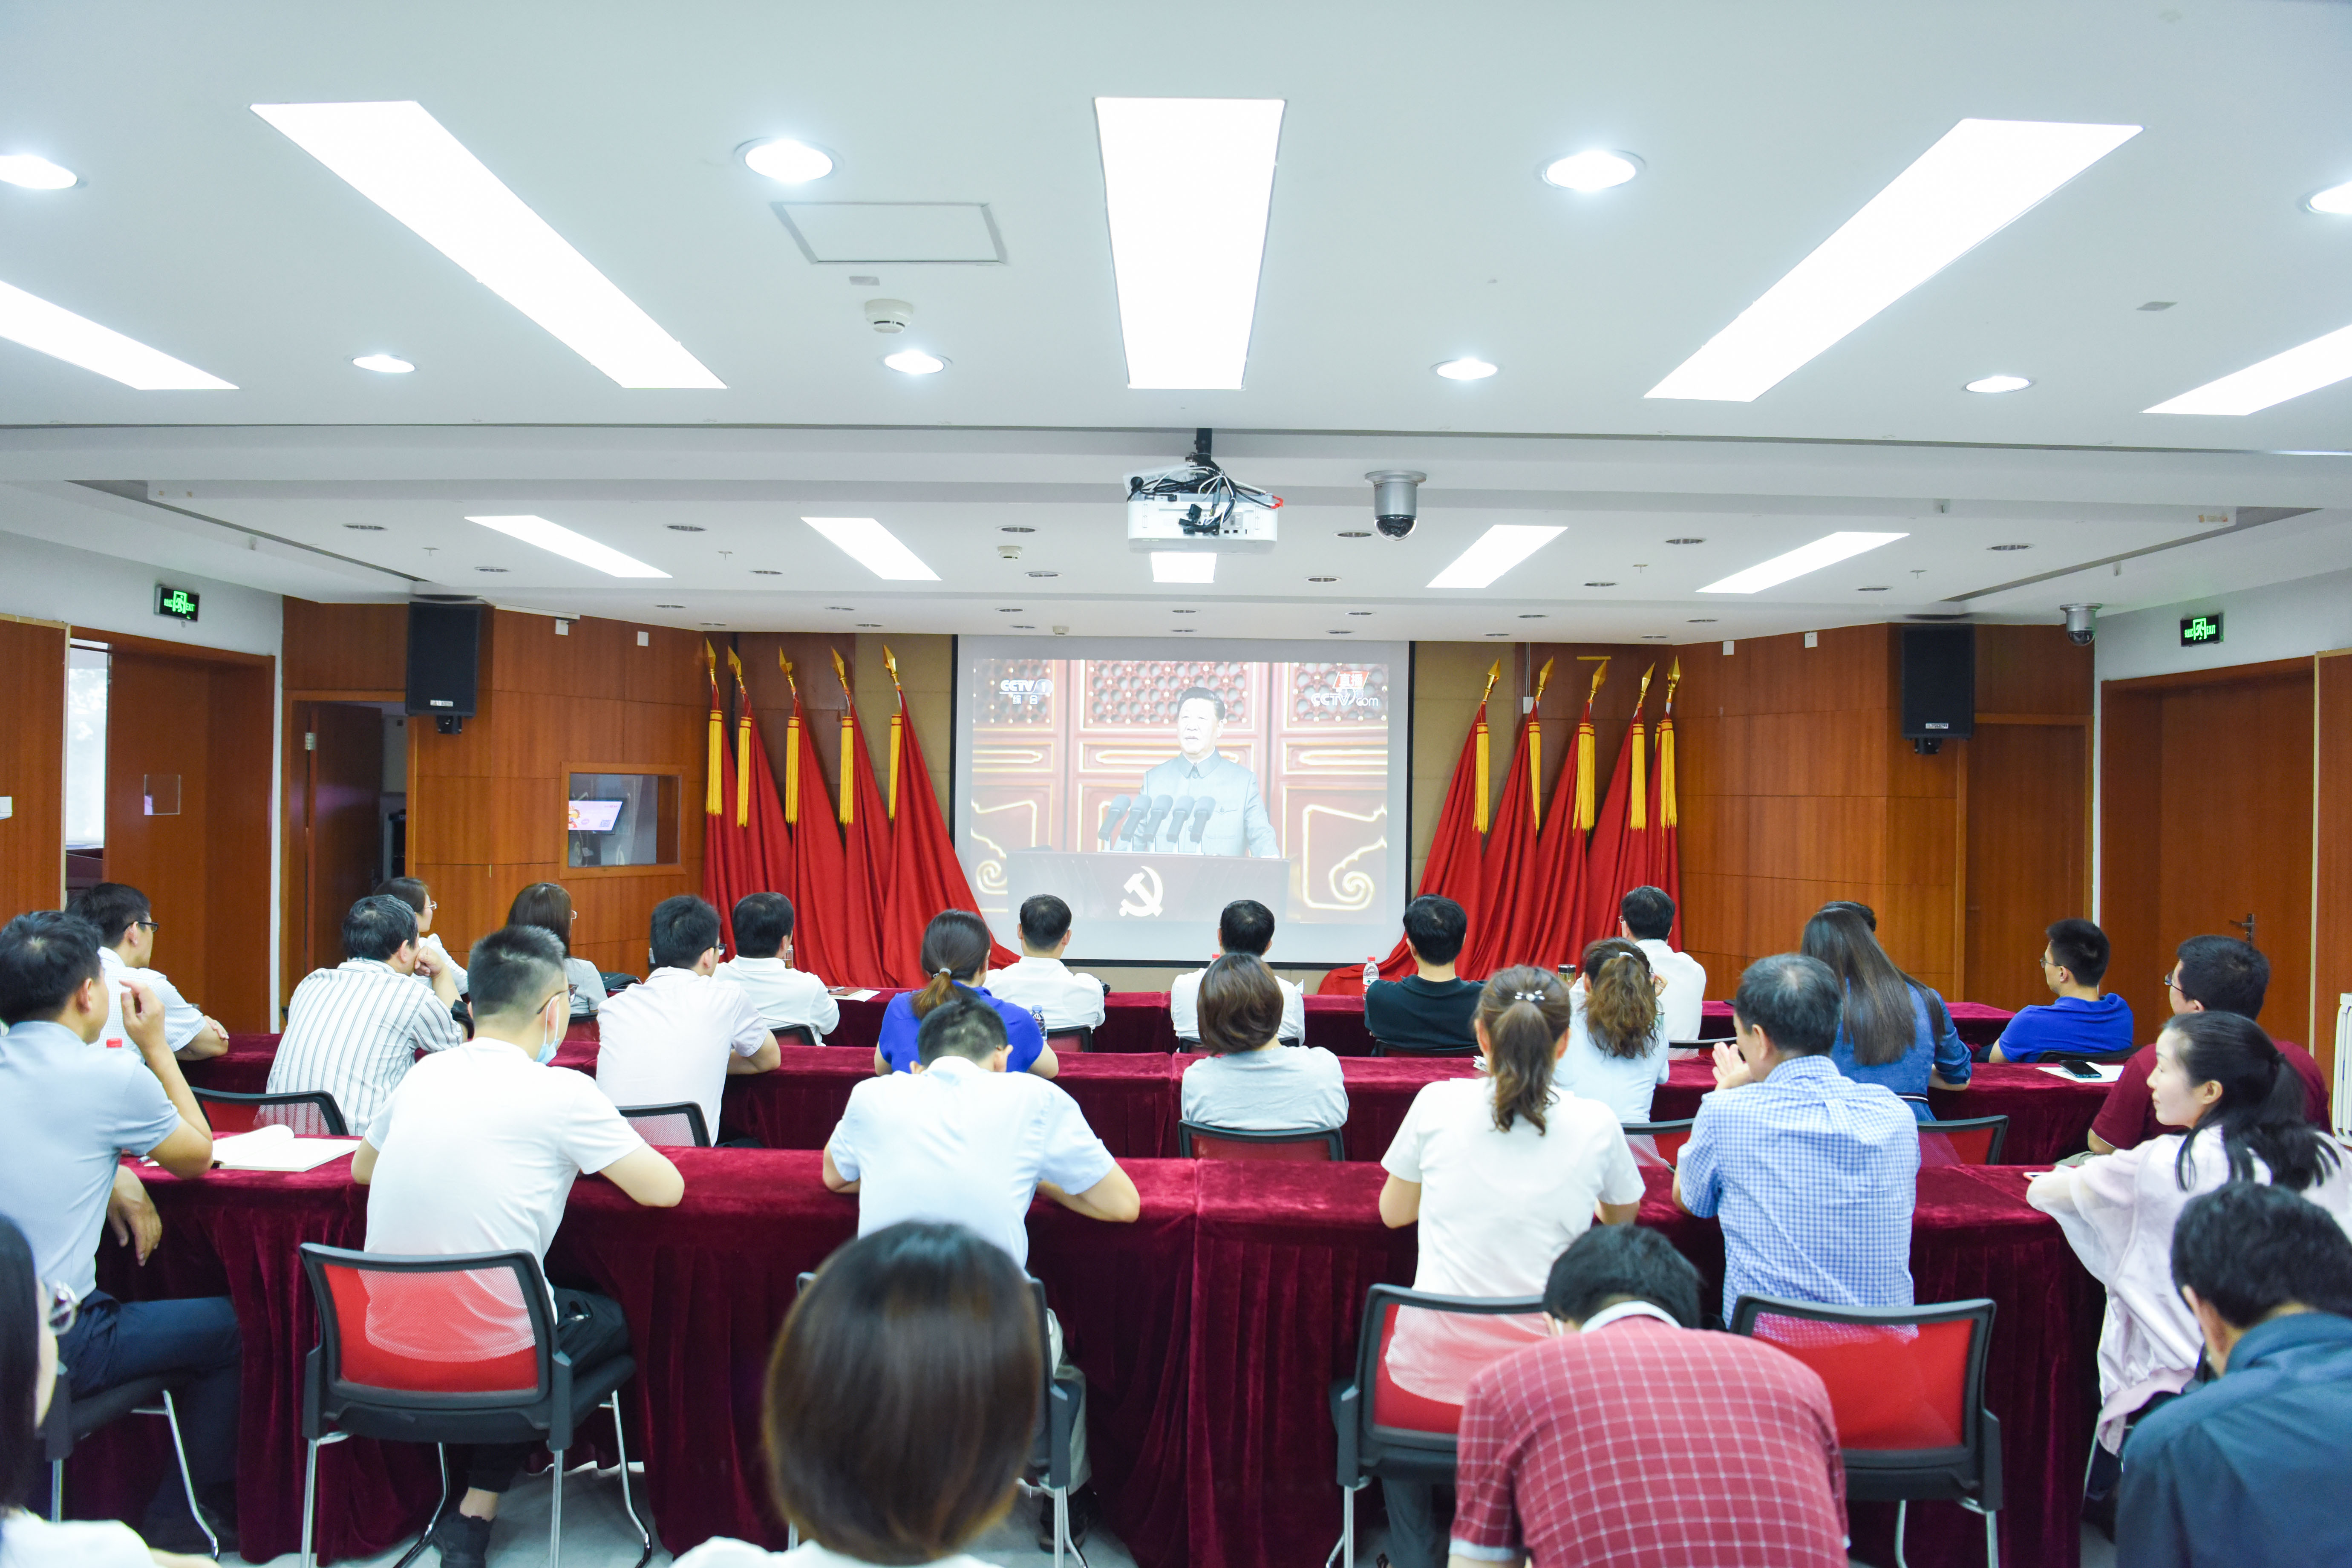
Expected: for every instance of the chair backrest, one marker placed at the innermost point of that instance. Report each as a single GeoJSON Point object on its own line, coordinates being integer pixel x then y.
{"type": "Point", "coordinates": [1311, 1145]}
{"type": "Point", "coordinates": [1075, 1037]}
{"type": "Point", "coordinates": [1394, 1415]}
{"type": "Point", "coordinates": [1384, 1048]}
{"type": "Point", "coordinates": [676, 1126]}
{"type": "Point", "coordinates": [1976, 1141]}
{"type": "Point", "coordinates": [1657, 1142]}
{"type": "Point", "coordinates": [1906, 1384]}
{"type": "Point", "coordinates": [464, 1331]}
{"type": "Point", "coordinates": [310, 1114]}
{"type": "Point", "coordinates": [797, 1035]}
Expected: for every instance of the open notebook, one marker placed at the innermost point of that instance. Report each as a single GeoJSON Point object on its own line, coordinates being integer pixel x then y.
{"type": "Point", "coordinates": [276, 1149]}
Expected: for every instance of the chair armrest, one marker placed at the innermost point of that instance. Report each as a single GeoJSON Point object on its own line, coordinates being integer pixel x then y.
{"type": "Point", "coordinates": [1062, 1412]}
{"type": "Point", "coordinates": [559, 1413]}
{"type": "Point", "coordinates": [1988, 1492]}
{"type": "Point", "coordinates": [1346, 1418]}
{"type": "Point", "coordinates": [314, 1377]}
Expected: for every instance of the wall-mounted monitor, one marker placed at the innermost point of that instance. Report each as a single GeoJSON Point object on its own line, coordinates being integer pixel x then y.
{"type": "Point", "coordinates": [593, 815]}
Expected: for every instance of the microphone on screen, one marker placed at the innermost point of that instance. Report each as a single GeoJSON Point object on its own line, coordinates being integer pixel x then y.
{"type": "Point", "coordinates": [1134, 825]}
{"type": "Point", "coordinates": [1109, 828]}
{"type": "Point", "coordinates": [1202, 809]}
{"type": "Point", "coordinates": [1159, 808]}
{"type": "Point", "coordinates": [1176, 818]}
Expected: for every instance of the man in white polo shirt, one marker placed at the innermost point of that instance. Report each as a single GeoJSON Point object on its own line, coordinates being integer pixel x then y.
{"type": "Point", "coordinates": [475, 1152]}
{"type": "Point", "coordinates": [1041, 981]}
{"type": "Point", "coordinates": [1245, 926]}
{"type": "Point", "coordinates": [1644, 917]}
{"type": "Point", "coordinates": [762, 967]}
{"type": "Point", "coordinates": [126, 924]}
{"type": "Point", "coordinates": [676, 1039]}
{"type": "Point", "coordinates": [354, 1030]}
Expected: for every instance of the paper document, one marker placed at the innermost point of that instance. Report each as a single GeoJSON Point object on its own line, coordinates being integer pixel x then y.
{"type": "Point", "coordinates": [2108, 1072]}
{"type": "Point", "coordinates": [276, 1149]}
{"type": "Point", "coordinates": [852, 993]}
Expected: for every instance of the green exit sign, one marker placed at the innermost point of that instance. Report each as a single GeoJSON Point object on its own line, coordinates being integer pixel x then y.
{"type": "Point", "coordinates": [2197, 630]}
{"type": "Point", "coordinates": [180, 603]}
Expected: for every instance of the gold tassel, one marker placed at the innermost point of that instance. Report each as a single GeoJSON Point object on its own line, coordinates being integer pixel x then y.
{"type": "Point", "coordinates": [1637, 803]}
{"type": "Point", "coordinates": [1668, 817]}
{"type": "Point", "coordinates": [792, 745]}
{"type": "Point", "coordinates": [1479, 814]}
{"type": "Point", "coordinates": [897, 725]}
{"type": "Point", "coordinates": [742, 743]}
{"type": "Point", "coordinates": [710, 804]}
{"type": "Point", "coordinates": [1535, 750]}
{"type": "Point", "coordinates": [848, 807]}
{"type": "Point", "coordinates": [1584, 765]}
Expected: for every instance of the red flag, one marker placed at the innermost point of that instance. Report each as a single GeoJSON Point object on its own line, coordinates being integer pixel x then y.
{"type": "Point", "coordinates": [925, 875]}
{"type": "Point", "coordinates": [1666, 818]}
{"type": "Point", "coordinates": [1557, 907]}
{"type": "Point", "coordinates": [1507, 891]}
{"type": "Point", "coordinates": [817, 880]}
{"type": "Point", "coordinates": [1452, 868]}
{"type": "Point", "coordinates": [1618, 858]}
{"type": "Point", "coordinates": [866, 841]}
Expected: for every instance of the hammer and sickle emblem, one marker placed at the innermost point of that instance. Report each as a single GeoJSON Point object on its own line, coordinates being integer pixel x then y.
{"type": "Point", "coordinates": [1146, 888]}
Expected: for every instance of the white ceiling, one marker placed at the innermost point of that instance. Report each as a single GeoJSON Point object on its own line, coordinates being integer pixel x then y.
{"type": "Point", "coordinates": [1408, 226]}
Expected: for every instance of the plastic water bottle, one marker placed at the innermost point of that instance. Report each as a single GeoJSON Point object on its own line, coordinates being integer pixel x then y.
{"type": "Point", "coordinates": [1372, 972]}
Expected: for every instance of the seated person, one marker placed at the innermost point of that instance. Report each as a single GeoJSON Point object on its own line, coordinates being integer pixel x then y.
{"type": "Point", "coordinates": [2250, 1467]}
{"type": "Point", "coordinates": [1041, 981]}
{"type": "Point", "coordinates": [1545, 1475]}
{"type": "Point", "coordinates": [434, 957]}
{"type": "Point", "coordinates": [1645, 917]}
{"type": "Point", "coordinates": [872, 1454]}
{"type": "Point", "coordinates": [682, 1034]}
{"type": "Point", "coordinates": [1617, 1045]}
{"type": "Point", "coordinates": [763, 966]}
{"type": "Point", "coordinates": [2209, 974]}
{"type": "Point", "coordinates": [354, 1030]}
{"type": "Point", "coordinates": [129, 925]}
{"type": "Point", "coordinates": [549, 906]}
{"type": "Point", "coordinates": [1245, 926]}
{"type": "Point", "coordinates": [1893, 1030]}
{"type": "Point", "coordinates": [961, 1139]}
{"type": "Point", "coordinates": [1250, 1081]}
{"type": "Point", "coordinates": [1813, 1173]}
{"type": "Point", "coordinates": [2083, 1020]}
{"type": "Point", "coordinates": [475, 1152]}
{"type": "Point", "coordinates": [1428, 1009]}
{"type": "Point", "coordinates": [73, 1112]}
{"type": "Point", "coordinates": [955, 955]}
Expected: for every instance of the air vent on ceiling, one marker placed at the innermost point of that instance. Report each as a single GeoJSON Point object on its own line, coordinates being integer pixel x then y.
{"type": "Point", "coordinates": [1916, 615]}
{"type": "Point", "coordinates": [893, 232]}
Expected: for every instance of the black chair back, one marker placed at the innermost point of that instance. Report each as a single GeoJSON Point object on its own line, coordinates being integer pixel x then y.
{"type": "Point", "coordinates": [310, 1114]}
{"type": "Point", "coordinates": [1071, 1037]}
{"type": "Point", "coordinates": [1384, 1048]}
{"type": "Point", "coordinates": [797, 1035]}
{"type": "Point", "coordinates": [676, 1126]}
{"type": "Point", "coordinates": [1385, 1429]}
{"type": "Point", "coordinates": [1301, 1145]}
{"type": "Point", "coordinates": [1971, 1140]}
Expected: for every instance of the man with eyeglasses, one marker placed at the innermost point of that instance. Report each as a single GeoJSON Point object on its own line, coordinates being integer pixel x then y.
{"type": "Point", "coordinates": [2209, 974]}
{"type": "Point", "coordinates": [126, 924]}
{"type": "Point", "coordinates": [75, 1112]}
{"type": "Point", "coordinates": [2083, 1020]}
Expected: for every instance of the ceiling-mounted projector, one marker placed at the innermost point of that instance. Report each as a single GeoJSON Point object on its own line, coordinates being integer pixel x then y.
{"type": "Point", "coordinates": [1196, 505]}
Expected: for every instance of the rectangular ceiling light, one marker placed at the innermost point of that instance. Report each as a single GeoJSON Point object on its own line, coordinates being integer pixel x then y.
{"type": "Point", "coordinates": [1497, 550]}
{"type": "Point", "coordinates": [1983, 175]}
{"type": "Point", "coordinates": [2321, 362]}
{"type": "Point", "coordinates": [1188, 182]}
{"type": "Point", "coordinates": [1827, 551]}
{"type": "Point", "coordinates": [873, 547]}
{"type": "Point", "coordinates": [56, 332]}
{"type": "Point", "coordinates": [1183, 566]}
{"type": "Point", "coordinates": [406, 162]}
{"type": "Point", "coordinates": [556, 538]}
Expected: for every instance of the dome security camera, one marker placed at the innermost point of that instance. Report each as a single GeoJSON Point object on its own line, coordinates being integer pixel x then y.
{"type": "Point", "coordinates": [2080, 624]}
{"type": "Point", "coordinates": [1395, 503]}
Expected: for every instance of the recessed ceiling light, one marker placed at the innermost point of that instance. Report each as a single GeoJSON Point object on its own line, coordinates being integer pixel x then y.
{"type": "Point", "coordinates": [1016, 527]}
{"type": "Point", "coordinates": [364, 527]}
{"type": "Point", "coordinates": [384, 365]}
{"type": "Point", "coordinates": [1322, 579]}
{"type": "Point", "coordinates": [915, 362]}
{"type": "Point", "coordinates": [1592, 171]}
{"type": "Point", "coordinates": [1601, 585]}
{"type": "Point", "coordinates": [1880, 589]}
{"type": "Point", "coordinates": [1185, 310]}
{"type": "Point", "coordinates": [1355, 533]}
{"type": "Point", "coordinates": [873, 547]}
{"type": "Point", "coordinates": [2307, 367]}
{"type": "Point", "coordinates": [1045, 574]}
{"type": "Point", "coordinates": [1686, 541]}
{"type": "Point", "coordinates": [489, 569]}
{"type": "Point", "coordinates": [56, 332]}
{"type": "Point", "coordinates": [558, 540]}
{"type": "Point", "coordinates": [2335, 201]}
{"type": "Point", "coordinates": [31, 171]}
{"type": "Point", "coordinates": [2009, 547]}
{"type": "Point", "coordinates": [1981, 177]}
{"type": "Point", "coordinates": [1183, 566]}
{"type": "Point", "coordinates": [785, 161]}
{"type": "Point", "coordinates": [684, 527]}
{"type": "Point", "coordinates": [2000, 383]}
{"type": "Point", "coordinates": [765, 572]}
{"type": "Point", "coordinates": [1826, 550]}
{"type": "Point", "coordinates": [1465, 369]}
{"type": "Point", "coordinates": [406, 162]}
{"type": "Point", "coordinates": [1496, 551]}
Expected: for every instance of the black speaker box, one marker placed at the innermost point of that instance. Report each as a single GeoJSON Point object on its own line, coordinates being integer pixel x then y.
{"type": "Point", "coordinates": [444, 648]}
{"type": "Point", "coordinates": [1939, 683]}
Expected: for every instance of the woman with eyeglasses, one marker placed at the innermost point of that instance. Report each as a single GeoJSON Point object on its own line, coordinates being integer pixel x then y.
{"type": "Point", "coordinates": [549, 906]}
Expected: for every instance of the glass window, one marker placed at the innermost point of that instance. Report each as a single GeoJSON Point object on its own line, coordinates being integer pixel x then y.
{"type": "Point", "coordinates": [86, 673]}
{"type": "Point", "coordinates": [621, 819]}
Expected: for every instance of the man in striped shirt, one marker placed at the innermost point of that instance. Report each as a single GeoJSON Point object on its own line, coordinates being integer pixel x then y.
{"type": "Point", "coordinates": [354, 1030]}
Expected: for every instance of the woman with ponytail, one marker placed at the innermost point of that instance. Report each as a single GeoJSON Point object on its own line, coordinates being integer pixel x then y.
{"type": "Point", "coordinates": [1617, 1041]}
{"type": "Point", "coordinates": [955, 955]}
{"type": "Point", "coordinates": [2239, 1108]}
{"type": "Point", "coordinates": [1502, 1172]}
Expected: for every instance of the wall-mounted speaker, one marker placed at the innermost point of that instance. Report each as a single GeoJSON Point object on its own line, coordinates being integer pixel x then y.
{"type": "Point", "coordinates": [1939, 684]}
{"type": "Point", "coordinates": [444, 652]}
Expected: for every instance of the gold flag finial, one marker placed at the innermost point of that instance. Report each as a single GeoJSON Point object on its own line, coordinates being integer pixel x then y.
{"type": "Point", "coordinates": [709, 661]}
{"type": "Point", "coordinates": [841, 673]}
{"type": "Point", "coordinates": [891, 663]}
{"type": "Point", "coordinates": [786, 665]}
{"type": "Point", "coordinates": [1673, 679]}
{"type": "Point", "coordinates": [735, 663]}
{"type": "Point", "coordinates": [1543, 678]}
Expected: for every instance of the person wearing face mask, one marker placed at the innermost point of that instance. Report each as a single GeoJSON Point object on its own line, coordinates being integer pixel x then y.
{"type": "Point", "coordinates": [475, 1152]}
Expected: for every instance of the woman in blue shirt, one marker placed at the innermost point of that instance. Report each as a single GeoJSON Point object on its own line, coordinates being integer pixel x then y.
{"type": "Point", "coordinates": [1885, 1035]}
{"type": "Point", "coordinates": [955, 954]}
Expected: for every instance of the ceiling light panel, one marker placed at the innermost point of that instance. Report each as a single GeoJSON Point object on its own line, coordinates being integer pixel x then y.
{"type": "Point", "coordinates": [2321, 362]}
{"type": "Point", "coordinates": [1497, 551]}
{"type": "Point", "coordinates": [404, 160]}
{"type": "Point", "coordinates": [56, 332]}
{"type": "Point", "coordinates": [1981, 177]}
{"type": "Point", "coordinates": [1183, 566]}
{"type": "Point", "coordinates": [1827, 551]}
{"type": "Point", "coordinates": [31, 171]}
{"type": "Point", "coordinates": [1188, 183]}
{"type": "Point", "coordinates": [559, 540]}
{"type": "Point", "coordinates": [873, 547]}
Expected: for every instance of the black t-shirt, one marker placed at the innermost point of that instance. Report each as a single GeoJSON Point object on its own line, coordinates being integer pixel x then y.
{"type": "Point", "coordinates": [1423, 1015]}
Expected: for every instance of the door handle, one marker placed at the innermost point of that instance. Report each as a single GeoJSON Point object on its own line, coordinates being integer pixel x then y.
{"type": "Point", "coordinates": [2246, 925]}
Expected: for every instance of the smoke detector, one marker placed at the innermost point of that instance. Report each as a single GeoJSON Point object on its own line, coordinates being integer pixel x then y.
{"type": "Point", "coordinates": [888, 315]}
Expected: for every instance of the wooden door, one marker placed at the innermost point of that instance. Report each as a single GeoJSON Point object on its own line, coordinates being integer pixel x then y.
{"type": "Point", "coordinates": [158, 790]}
{"type": "Point", "coordinates": [2028, 787]}
{"type": "Point", "coordinates": [344, 781]}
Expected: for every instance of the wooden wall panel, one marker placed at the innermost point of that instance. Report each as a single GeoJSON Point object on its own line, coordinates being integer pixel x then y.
{"type": "Point", "coordinates": [32, 765]}
{"type": "Point", "coordinates": [2331, 913]}
{"type": "Point", "coordinates": [154, 726]}
{"type": "Point", "coordinates": [236, 880]}
{"type": "Point", "coordinates": [2029, 863]}
{"type": "Point", "coordinates": [2131, 720]}
{"type": "Point", "coordinates": [345, 648]}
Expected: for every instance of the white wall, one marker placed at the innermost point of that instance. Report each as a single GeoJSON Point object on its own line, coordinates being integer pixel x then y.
{"type": "Point", "coordinates": [2283, 620]}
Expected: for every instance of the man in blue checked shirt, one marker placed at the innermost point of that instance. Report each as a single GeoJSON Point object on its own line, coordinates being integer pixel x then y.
{"type": "Point", "coordinates": [1812, 1174]}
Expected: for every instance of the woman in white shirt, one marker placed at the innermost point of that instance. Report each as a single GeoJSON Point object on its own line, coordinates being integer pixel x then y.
{"type": "Point", "coordinates": [900, 1402]}
{"type": "Point", "coordinates": [1251, 1081]}
{"type": "Point", "coordinates": [1617, 1041]}
{"type": "Point", "coordinates": [1501, 1172]}
{"type": "Point", "coordinates": [2217, 1074]}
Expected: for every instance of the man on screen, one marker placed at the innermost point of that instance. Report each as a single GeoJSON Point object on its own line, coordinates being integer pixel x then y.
{"type": "Point", "coordinates": [1237, 824]}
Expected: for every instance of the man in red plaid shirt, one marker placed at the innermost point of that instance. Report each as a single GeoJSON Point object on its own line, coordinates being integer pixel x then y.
{"type": "Point", "coordinates": [1631, 1439]}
